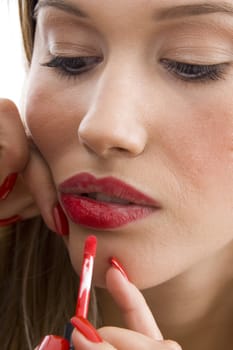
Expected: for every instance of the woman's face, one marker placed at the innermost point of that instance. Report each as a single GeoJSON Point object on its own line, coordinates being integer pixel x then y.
{"type": "Point", "coordinates": [141, 92]}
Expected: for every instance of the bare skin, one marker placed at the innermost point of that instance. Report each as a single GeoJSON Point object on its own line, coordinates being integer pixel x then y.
{"type": "Point", "coordinates": [173, 141]}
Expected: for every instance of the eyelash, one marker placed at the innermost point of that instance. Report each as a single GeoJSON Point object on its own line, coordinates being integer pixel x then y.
{"type": "Point", "coordinates": [195, 73]}
{"type": "Point", "coordinates": [71, 67]}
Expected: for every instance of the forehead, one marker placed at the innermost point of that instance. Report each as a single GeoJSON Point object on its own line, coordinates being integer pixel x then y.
{"type": "Point", "coordinates": [165, 10]}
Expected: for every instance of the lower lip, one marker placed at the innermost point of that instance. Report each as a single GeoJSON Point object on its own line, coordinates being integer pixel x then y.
{"type": "Point", "coordinates": [102, 215]}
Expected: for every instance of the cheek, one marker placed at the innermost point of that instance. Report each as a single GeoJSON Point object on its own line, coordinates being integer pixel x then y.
{"type": "Point", "coordinates": [200, 144]}
{"type": "Point", "coordinates": [53, 118]}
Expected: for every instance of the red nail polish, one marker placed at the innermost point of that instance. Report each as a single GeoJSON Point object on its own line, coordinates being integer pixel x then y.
{"type": "Point", "coordinates": [9, 221]}
{"type": "Point", "coordinates": [115, 263]}
{"type": "Point", "coordinates": [53, 342]}
{"type": "Point", "coordinates": [86, 329]}
{"type": "Point", "coordinates": [7, 185]}
{"type": "Point", "coordinates": [61, 222]}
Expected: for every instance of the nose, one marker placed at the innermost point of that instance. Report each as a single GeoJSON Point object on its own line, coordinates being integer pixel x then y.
{"type": "Point", "coordinates": [113, 124]}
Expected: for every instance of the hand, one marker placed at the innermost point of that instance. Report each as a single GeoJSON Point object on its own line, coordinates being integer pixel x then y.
{"type": "Point", "coordinates": [142, 333]}
{"type": "Point", "coordinates": [26, 187]}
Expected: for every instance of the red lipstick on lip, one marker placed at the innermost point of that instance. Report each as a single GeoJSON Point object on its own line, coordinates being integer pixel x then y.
{"type": "Point", "coordinates": [103, 203]}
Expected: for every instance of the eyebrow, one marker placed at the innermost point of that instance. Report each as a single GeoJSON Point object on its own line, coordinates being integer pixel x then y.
{"type": "Point", "coordinates": [162, 14]}
{"type": "Point", "coordinates": [61, 5]}
{"type": "Point", "coordinates": [194, 10]}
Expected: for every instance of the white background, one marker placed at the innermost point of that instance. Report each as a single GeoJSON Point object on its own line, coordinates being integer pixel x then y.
{"type": "Point", "coordinates": [12, 73]}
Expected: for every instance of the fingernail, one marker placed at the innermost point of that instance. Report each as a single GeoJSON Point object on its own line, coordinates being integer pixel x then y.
{"type": "Point", "coordinates": [9, 221]}
{"type": "Point", "coordinates": [86, 329]}
{"type": "Point", "coordinates": [7, 185]}
{"type": "Point", "coordinates": [53, 342]}
{"type": "Point", "coordinates": [60, 220]}
{"type": "Point", "coordinates": [115, 263]}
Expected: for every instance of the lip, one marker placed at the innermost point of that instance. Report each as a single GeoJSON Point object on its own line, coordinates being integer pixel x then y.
{"type": "Point", "coordinates": [100, 214]}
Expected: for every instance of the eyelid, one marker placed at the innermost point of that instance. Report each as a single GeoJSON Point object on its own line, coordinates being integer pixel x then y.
{"type": "Point", "coordinates": [72, 49]}
{"type": "Point", "coordinates": [199, 55]}
{"type": "Point", "coordinates": [61, 65]}
{"type": "Point", "coordinates": [192, 73]}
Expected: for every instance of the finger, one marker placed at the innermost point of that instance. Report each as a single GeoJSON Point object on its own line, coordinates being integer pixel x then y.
{"type": "Point", "coordinates": [19, 202]}
{"type": "Point", "coordinates": [14, 155]}
{"type": "Point", "coordinates": [124, 339]}
{"type": "Point", "coordinates": [34, 188]}
{"type": "Point", "coordinates": [40, 184]}
{"type": "Point", "coordinates": [13, 143]}
{"type": "Point", "coordinates": [85, 336]}
{"type": "Point", "coordinates": [53, 342]}
{"type": "Point", "coordinates": [134, 309]}
{"type": "Point", "coordinates": [80, 342]}
{"type": "Point", "coordinates": [113, 338]}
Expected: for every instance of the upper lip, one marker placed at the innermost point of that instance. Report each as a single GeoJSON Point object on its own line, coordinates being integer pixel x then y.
{"type": "Point", "coordinates": [84, 183]}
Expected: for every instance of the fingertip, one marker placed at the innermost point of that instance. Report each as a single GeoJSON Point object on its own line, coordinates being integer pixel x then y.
{"type": "Point", "coordinates": [118, 266]}
{"type": "Point", "coordinates": [7, 106]}
{"type": "Point", "coordinates": [51, 342]}
{"type": "Point", "coordinates": [120, 288]}
{"type": "Point", "coordinates": [114, 280]}
{"type": "Point", "coordinates": [79, 341]}
{"type": "Point", "coordinates": [172, 345]}
{"type": "Point", "coordinates": [116, 275]}
{"type": "Point", "coordinates": [86, 329]}
{"type": "Point", "coordinates": [60, 220]}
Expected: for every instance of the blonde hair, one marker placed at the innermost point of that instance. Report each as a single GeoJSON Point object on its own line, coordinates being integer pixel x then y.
{"type": "Point", "coordinates": [38, 285]}
{"type": "Point", "coordinates": [27, 22]}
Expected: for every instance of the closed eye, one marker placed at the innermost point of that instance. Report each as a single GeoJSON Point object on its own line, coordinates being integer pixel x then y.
{"type": "Point", "coordinates": [73, 66]}
{"type": "Point", "coordinates": [194, 72]}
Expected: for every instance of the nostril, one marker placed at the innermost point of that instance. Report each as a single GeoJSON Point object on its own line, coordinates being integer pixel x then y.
{"type": "Point", "coordinates": [107, 140]}
{"type": "Point", "coordinates": [121, 149]}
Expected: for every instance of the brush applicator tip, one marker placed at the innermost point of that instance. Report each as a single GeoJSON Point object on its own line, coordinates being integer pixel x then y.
{"type": "Point", "coordinates": [90, 245]}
